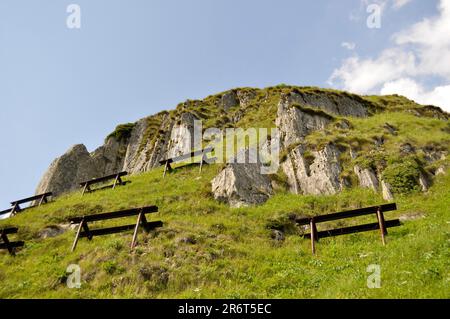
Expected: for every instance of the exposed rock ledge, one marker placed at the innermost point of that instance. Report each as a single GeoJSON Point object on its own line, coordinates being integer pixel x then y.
{"type": "Point", "coordinates": [242, 184]}
{"type": "Point", "coordinates": [150, 140]}
{"type": "Point", "coordinates": [316, 174]}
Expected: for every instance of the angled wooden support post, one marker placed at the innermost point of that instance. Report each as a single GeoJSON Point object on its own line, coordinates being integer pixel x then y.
{"type": "Point", "coordinates": [202, 162]}
{"type": "Point", "coordinates": [166, 167]}
{"type": "Point", "coordinates": [8, 245]}
{"type": "Point", "coordinates": [80, 227]}
{"type": "Point", "coordinates": [138, 222]}
{"type": "Point", "coordinates": [382, 225]}
{"type": "Point", "coordinates": [42, 200]}
{"type": "Point", "coordinates": [312, 225]}
{"type": "Point", "coordinates": [15, 209]}
{"type": "Point", "coordinates": [85, 188]}
{"type": "Point", "coordinates": [87, 231]}
{"type": "Point", "coordinates": [115, 181]}
{"type": "Point", "coordinates": [144, 222]}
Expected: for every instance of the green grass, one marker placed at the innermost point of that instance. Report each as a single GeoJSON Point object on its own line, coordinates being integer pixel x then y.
{"type": "Point", "coordinates": [230, 253]}
{"type": "Point", "coordinates": [122, 132]}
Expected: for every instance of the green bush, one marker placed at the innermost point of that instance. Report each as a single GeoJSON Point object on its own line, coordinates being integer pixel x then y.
{"type": "Point", "coordinates": [122, 132]}
{"type": "Point", "coordinates": [112, 267]}
{"type": "Point", "coordinates": [403, 176]}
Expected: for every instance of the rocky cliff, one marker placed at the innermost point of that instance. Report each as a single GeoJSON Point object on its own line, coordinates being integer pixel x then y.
{"type": "Point", "coordinates": [322, 150]}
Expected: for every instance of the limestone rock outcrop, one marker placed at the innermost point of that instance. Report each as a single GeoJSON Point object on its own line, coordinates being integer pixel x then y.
{"type": "Point", "coordinates": [182, 136]}
{"type": "Point", "coordinates": [315, 173]}
{"type": "Point", "coordinates": [367, 178]}
{"type": "Point", "coordinates": [299, 114]}
{"type": "Point", "coordinates": [386, 190]}
{"type": "Point", "coordinates": [63, 174]}
{"type": "Point", "coordinates": [150, 140]}
{"type": "Point", "coordinates": [242, 184]}
{"type": "Point", "coordinates": [110, 157]}
{"type": "Point", "coordinates": [229, 100]}
{"type": "Point", "coordinates": [339, 104]}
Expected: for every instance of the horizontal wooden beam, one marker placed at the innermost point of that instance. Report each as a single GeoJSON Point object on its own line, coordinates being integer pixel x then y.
{"type": "Point", "coordinates": [186, 156]}
{"type": "Point", "coordinates": [10, 230]}
{"type": "Point", "coordinates": [354, 229]}
{"type": "Point", "coordinates": [103, 179]}
{"type": "Point", "coordinates": [12, 244]}
{"type": "Point", "coordinates": [6, 211]}
{"type": "Point", "coordinates": [30, 199]}
{"type": "Point", "coordinates": [152, 225]}
{"type": "Point", "coordinates": [106, 187]}
{"type": "Point", "coordinates": [118, 229]}
{"type": "Point", "coordinates": [118, 214]}
{"type": "Point", "coordinates": [347, 214]}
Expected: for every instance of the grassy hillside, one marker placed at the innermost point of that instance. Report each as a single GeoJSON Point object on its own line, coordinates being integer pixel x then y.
{"type": "Point", "coordinates": [208, 250]}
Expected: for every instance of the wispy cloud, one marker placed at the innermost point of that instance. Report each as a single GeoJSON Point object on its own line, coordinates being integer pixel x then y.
{"type": "Point", "coordinates": [349, 45]}
{"type": "Point", "coordinates": [359, 13]}
{"type": "Point", "coordinates": [398, 4]}
{"type": "Point", "coordinates": [419, 54]}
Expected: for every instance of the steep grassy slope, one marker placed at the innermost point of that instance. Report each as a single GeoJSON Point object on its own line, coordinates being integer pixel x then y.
{"type": "Point", "coordinates": [206, 249]}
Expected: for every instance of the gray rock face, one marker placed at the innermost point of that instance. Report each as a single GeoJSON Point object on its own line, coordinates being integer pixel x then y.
{"type": "Point", "coordinates": [317, 175]}
{"type": "Point", "coordinates": [390, 129]}
{"type": "Point", "coordinates": [277, 235]}
{"type": "Point", "coordinates": [139, 153]}
{"type": "Point", "coordinates": [67, 171]}
{"type": "Point", "coordinates": [245, 96]}
{"type": "Point", "coordinates": [238, 97]}
{"type": "Point", "coordinates": [182, 136]}
{"type": "Point", "coordinates": [440, 171]}
{"type": "Point", "coordinates": [338, 104]}
{"type": "Point", "coordinates": [367, 178]}
{"type": "Point", "coordinates": [424, 182]}
{"type": "Point", "coordinates": [135, 158]}
{"type": "Point", "coordinates": [296, 122]}
{"type": "Point", "coordinates": [53, 231]}
{"type": "Point", "coordinates": [144, 150]}
{"type": "Point", "coordinates": [158, 150]}
{"type": "Point", "coordinates": [386, 190]}
{"type": "Point", "coordinates": [433, 154]}
{"type": "Point", "coordinates": [110, 157]}
{"type": "Point", "coordinates": [229, 100]}
{"type": "Point", "coordinates": [407, 149]}
{"type": "Point", "coordinates": [242, 185]}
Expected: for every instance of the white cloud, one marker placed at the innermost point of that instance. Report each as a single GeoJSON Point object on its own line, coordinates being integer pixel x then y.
{"type": "Point", "coordinates": [400, 3]}
{"type": "Point", "coordinates": [420, 52]}
{"type": "Point", "coordinates": [349, 45]}
{"type": "Point", "coordinates": [431, 39]}
{"type": "Point", "coordinates": [408, 87]}
{"type": "Point", "coordinates": [362, 76]}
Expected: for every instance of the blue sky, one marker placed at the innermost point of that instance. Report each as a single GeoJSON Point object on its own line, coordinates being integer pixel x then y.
{"type": "Point", "coordinates": [130, 59]}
